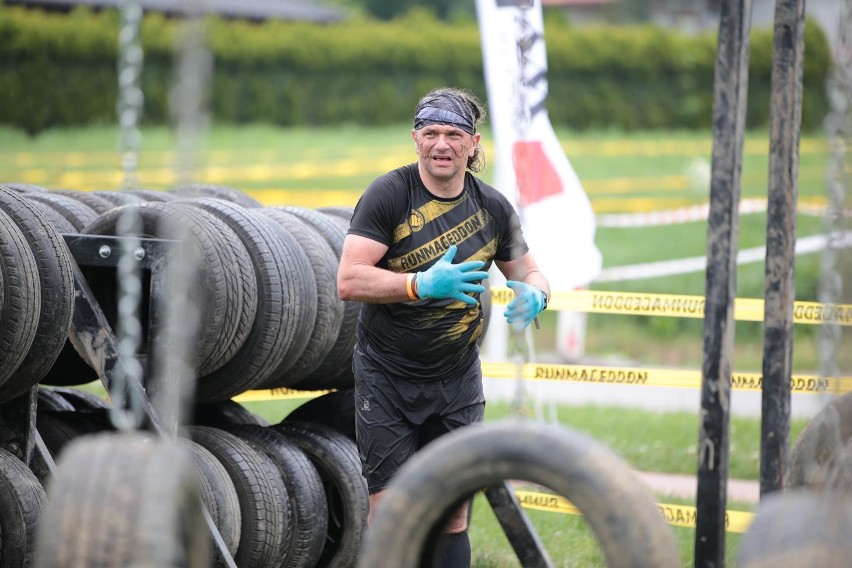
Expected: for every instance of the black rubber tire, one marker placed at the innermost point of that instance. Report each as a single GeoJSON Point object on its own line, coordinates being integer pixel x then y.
{"type": "Point", "coordinates": [151, 194]}
{"type": "Point", "coordinates": [56, 219]}
{"type": "Point", "coordinates": [23, 187]}
{"type": "Point", "coordinates": [329, 313]}
{"type": "Point", "coordinates": [264, 505]}
{"type": "Point", "coordinates": [286, 301]}
{"type": "Point", "coordinates": [822, 439]}
{"type": "Point", "coordinates": [335, 458]}
{"type": "Point", "coordinates": [799, 529]}
{"type": "Point", "coordinates": [618, 508]}
{"type": "Point", "coordinates": [119, 198]}
{"type": "Point", "coordinates": [21, 297]}
{"type": "Point", "coordinates": [100, 480]}
{"type": "Point", "coordinates": [50, 400]}
{"type": "Point", "coordinates": [22, 500]}
{"type": "Point", "coordinates": [76, 212]}
{"type": "Point", "coordinates": [58, 428]}
{"type": "Point", "coordinates": [241, 280]}
{"type": "Point", "coordinates": [336, 369]}
{"type": "Point", "coordinates": [335, 409]}
{"type": "Point", "coordinates": [56, 284]}
{"type": "Point", "coordinates": [304, 488]}
{"type": "Point", "coordinates": [216, 297]}
{"type": "Point", "coordinates": [82, 400]}
{"type": "Point", "coordinates": [220, 497]}
{"type": "Point", "coordinates": [341, 211]}
{"type": "Point", "coordinates": [220, 192]}
{"type": "Point", "coordinates": [224, 414]}
{"type": "Point", "coordinates": [97, 203]}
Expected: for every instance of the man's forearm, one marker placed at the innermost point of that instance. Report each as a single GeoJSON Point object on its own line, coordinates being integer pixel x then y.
{"type": "Point", "coordinates": [372, 285]}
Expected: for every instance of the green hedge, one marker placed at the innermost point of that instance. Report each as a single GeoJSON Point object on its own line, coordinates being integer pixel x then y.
{"type": "Point", "coordinates": [60, 70]}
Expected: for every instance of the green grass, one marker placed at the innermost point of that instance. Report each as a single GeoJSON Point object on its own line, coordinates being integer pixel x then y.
{"type": "Point", "coordinates": [648, 440]}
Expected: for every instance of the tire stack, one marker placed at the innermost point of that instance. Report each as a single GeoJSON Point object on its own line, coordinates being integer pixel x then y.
{"type": "Point", "coordinates": [268, 316]}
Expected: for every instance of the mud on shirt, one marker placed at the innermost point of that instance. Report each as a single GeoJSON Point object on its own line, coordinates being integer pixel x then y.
{"type": "Point", "coordinates": [430, 339]}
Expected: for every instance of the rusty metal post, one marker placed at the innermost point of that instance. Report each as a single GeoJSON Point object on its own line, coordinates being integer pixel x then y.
{"type": "Point", "coordinates": [729, 111]}
{"type": "Point", "coordinates": [779, 289]}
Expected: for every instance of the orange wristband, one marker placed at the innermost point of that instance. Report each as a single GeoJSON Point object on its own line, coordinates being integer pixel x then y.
{"type": "Point", "coordinates": [409, 286]}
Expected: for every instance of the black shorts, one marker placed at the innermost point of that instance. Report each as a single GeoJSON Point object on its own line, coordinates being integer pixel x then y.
{"type": "Point", "coordinates": [395, 417]}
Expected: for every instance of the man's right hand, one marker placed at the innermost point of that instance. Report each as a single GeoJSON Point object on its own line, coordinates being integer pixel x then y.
{"type": "Point", "coordinates": [447, 280]}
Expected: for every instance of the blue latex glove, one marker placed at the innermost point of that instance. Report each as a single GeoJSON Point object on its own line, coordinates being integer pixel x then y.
{"type": "Point", "coordinates": [528, 303]}
{"type": "Point", "coordinates": [447, 280]}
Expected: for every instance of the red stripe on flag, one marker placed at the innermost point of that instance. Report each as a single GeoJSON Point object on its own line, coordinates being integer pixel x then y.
{"type": "Point", "coordinates": [536, 176]}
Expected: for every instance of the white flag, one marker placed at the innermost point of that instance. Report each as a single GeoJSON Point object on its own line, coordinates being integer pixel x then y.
{"type": "Point", "coordinates": [531, 167]}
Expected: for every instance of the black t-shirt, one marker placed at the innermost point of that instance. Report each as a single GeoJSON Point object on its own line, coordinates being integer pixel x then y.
{"type": "Point", "coordinates": [430, 339]}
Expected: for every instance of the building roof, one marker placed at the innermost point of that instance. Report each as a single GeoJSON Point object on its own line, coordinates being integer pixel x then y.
{"type": "Point", "coordinates": [303, 10]}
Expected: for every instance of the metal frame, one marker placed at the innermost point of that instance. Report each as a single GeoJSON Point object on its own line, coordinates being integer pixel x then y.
{"type": "Point", "coordinates": [93, 337]}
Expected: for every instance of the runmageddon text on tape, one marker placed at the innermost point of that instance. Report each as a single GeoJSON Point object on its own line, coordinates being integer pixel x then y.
{"type": "Point", "coordinates": [676, 378]}
{"type": "Point", "coordinates": [638, 376]}
{"type": "Point", "coordinates": [676, 515]}
{"type": "Point", "coordinates": [671, 305]}
{"type": "Point", "coordinates": [277, 394]}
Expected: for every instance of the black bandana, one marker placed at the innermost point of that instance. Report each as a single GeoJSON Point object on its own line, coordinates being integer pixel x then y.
{"type": "Point", "coordinates": [445, 109]}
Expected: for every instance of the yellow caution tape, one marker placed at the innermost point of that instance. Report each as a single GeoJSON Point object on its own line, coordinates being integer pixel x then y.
{"type": "Point", "coordinates": [676, 515]}
{"type": "Point", "coordinates": [676, 378]}
{"type": "Point", "coordinates": [672, 305]}
{"type": "Point", "coordinates": [277, 394]}
{"type": "Point", "coordinates": [637, 376]}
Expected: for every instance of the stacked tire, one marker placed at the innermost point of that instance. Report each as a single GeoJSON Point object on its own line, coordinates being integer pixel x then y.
{"type": "Point", "coordinates": [264, 294]}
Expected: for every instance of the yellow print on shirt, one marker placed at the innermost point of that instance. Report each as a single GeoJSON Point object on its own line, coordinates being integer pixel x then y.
{"type": "Point", "coordinates": [438, 246]}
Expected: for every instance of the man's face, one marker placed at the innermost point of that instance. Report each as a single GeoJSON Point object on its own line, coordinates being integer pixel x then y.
{"type": "Point", "coordinates": [444, 150]}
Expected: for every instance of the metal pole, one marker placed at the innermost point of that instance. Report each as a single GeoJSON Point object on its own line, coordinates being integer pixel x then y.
{"type": "Point", "coordinates": [729, 110]}
{"type": "Point", "coordinates": [780, 290]}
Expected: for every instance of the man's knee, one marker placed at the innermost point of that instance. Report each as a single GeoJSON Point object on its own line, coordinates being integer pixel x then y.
{"type": "Point", "coordinates": [458, 521]}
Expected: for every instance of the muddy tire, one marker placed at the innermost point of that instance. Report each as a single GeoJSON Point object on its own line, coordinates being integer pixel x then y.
{"type": "Point", "coordinates": [619, 510]}
{"type": "Point", "coordinates": [329, 312]}
{"type": "Point", "coordinates": [224, 414]}
{"type": "Point", "coordinates": [335, 458]}
{"type": "Point", "coordinates": [220, 497]}
{"type": "Point", "coordinates": [218, 294]}
{"type": "Point", "coordinates": [99, 204]}
{"type": "Point", "coordinates": [304, 489]}
{"type": "Point", "coordinates": [75, 212]}
{"type": "Point", "coordinates": [335, 409]}
{"type": "Point", "coordinates": [151, 194]}
{"type": "Point", "coordinates": [286, 301]}
{"type": "Point", "coordinates": [56, 302]}
{"type": "Point", "coordinates": [89, 499]}
{"type": "Point", "coordinates": [119, 198]}
{"type": "Point", "coordinates": [82, 400]}
{"type": "Point", "coordinates": [799, 529]}
{"type": "Point", "coordinates": [219, 192]}
{"type": "Point", "coordinates": [22, 501]}
{"type": "Point", "coordinates": [264, 507]}
{"type": "Point", "coordinates": [21, 298]}
{"type": "Point", "coordinates": [820, 442]}
{"type": "Point", "coordinates": [343, 212]}
{"type": "Point", "coordinates": [336, 370]}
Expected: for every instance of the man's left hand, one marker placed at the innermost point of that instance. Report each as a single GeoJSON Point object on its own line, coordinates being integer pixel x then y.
{"type": "Point", "coordinates": [528, 303]}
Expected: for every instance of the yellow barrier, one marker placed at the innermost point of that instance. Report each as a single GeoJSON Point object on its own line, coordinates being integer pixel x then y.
{"type": "Point", "coordinates": [635, 376]}
{"type": "Point", "coordinates": [676, 515]}
{"type": "Point", "coordinates": [672, 305]}
{"type": "Point", "coordinates": [675, 378]}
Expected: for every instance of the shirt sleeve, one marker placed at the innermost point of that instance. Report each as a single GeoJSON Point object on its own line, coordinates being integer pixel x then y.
{"type": "Point", "coordinates": [377, 211]}
{"type": "Point", "coordinates": [512, 243]}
